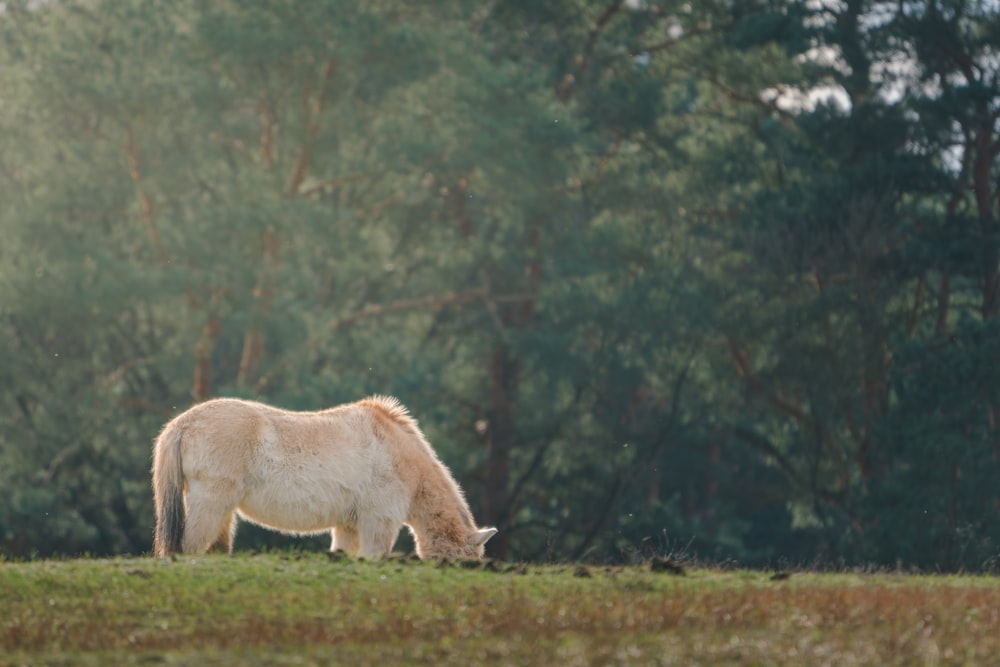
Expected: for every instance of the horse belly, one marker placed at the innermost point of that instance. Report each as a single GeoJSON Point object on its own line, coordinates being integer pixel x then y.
{"type": "Point", "coordinates": [299, 505]}
{"type": "Point", "coordinates": [298, 510]}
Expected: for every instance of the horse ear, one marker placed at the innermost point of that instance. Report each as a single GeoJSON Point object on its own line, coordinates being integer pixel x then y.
{"type": "Point", "coordinates": [480, 536]}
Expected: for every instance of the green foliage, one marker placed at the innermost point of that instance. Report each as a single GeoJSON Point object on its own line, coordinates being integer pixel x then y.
{"type": "Point", "coordinates": [940, 441]}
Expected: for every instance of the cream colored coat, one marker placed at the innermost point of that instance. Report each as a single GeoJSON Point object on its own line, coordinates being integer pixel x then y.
{"type": "Point", "coordinates": [361, 471]}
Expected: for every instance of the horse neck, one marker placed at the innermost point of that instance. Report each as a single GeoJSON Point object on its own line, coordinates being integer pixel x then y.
{"type": "Point", "coordinates": [440, 517]}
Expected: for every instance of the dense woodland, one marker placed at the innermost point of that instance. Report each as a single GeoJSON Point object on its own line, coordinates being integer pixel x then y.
{"type": "Point", "coordinates": [712, 278]}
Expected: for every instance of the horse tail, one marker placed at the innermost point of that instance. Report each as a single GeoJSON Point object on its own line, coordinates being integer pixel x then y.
{"type": "Point", "coordinates": [168, 492]}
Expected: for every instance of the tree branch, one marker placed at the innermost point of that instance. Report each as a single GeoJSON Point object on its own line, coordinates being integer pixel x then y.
{"type": "Point", "coordinates": [564, 89]}
{"type": "Point", "coordinates": [777, 400]}
{"type": "Point", "coordinates": [434, 302]}
{"type": "Point", "coordinates": [670, 42]}
{"type": "Point", "coordinates": [312, 110]}
{"type": "Point", "coordinates": [148, 210]}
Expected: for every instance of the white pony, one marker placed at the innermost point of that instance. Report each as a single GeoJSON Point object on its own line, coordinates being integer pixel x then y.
{"type": "Point", "coordinates": [361, 471]}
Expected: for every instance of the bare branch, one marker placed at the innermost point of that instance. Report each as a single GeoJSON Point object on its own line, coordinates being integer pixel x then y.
{"type": "Point", "coordinates": [331, 184]}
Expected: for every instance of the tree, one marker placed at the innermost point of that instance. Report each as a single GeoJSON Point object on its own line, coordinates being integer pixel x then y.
{"type": "Point", "coordinates": [652, 275]}
{"type": "Point", "coordinates": [270, 205]}
{"type": "Point", "coordinates": [862, 221]}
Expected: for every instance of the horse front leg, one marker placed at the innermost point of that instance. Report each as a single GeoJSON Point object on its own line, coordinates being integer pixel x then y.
{"type": "Point", "coordinates": [376, 537]}
{"type": "Point", "coordinates": [344, 538]}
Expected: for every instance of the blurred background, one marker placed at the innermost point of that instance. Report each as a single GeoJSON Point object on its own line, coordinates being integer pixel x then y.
{"type": "Point", "coordinates": [717, 279]}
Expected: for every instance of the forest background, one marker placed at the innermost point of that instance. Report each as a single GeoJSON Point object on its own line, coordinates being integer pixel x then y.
{"type": "Point", "coordinates": [718, 278]}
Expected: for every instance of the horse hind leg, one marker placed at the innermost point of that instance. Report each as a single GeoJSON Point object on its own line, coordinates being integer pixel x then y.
{"type": "Point", "coordinates": [211, 520]}
{"type": "Point", "coordinates": [224, 542]}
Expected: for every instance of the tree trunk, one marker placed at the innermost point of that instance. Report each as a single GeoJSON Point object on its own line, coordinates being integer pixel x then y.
{"type": "Point", "coordinates": [504, 373]}
{"type": "Point", "coordinates": [203, 358]}
{"type": "Point", "coordinates": [983, 190]}
{"type": "Point", "coordinates": [253, 340]}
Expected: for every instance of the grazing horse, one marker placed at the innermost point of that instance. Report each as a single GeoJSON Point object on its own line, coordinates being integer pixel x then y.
{"type": "Point", "coordinates": [361, 471]}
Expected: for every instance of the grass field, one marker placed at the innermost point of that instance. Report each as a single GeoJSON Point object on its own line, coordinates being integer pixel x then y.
{"type": "Point", "coordinates": [304, 608]}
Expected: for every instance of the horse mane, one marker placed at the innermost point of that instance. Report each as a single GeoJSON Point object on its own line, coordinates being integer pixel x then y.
{"type": "Point", "coordinates": [392, 410]}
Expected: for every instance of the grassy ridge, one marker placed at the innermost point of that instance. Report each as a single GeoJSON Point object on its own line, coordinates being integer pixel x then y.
{"type": "Point", "coordinates": [304, 609]}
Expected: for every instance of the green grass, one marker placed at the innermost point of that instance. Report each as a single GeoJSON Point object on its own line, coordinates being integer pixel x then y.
{"type": "Point", "coordinates": [302, 609]}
